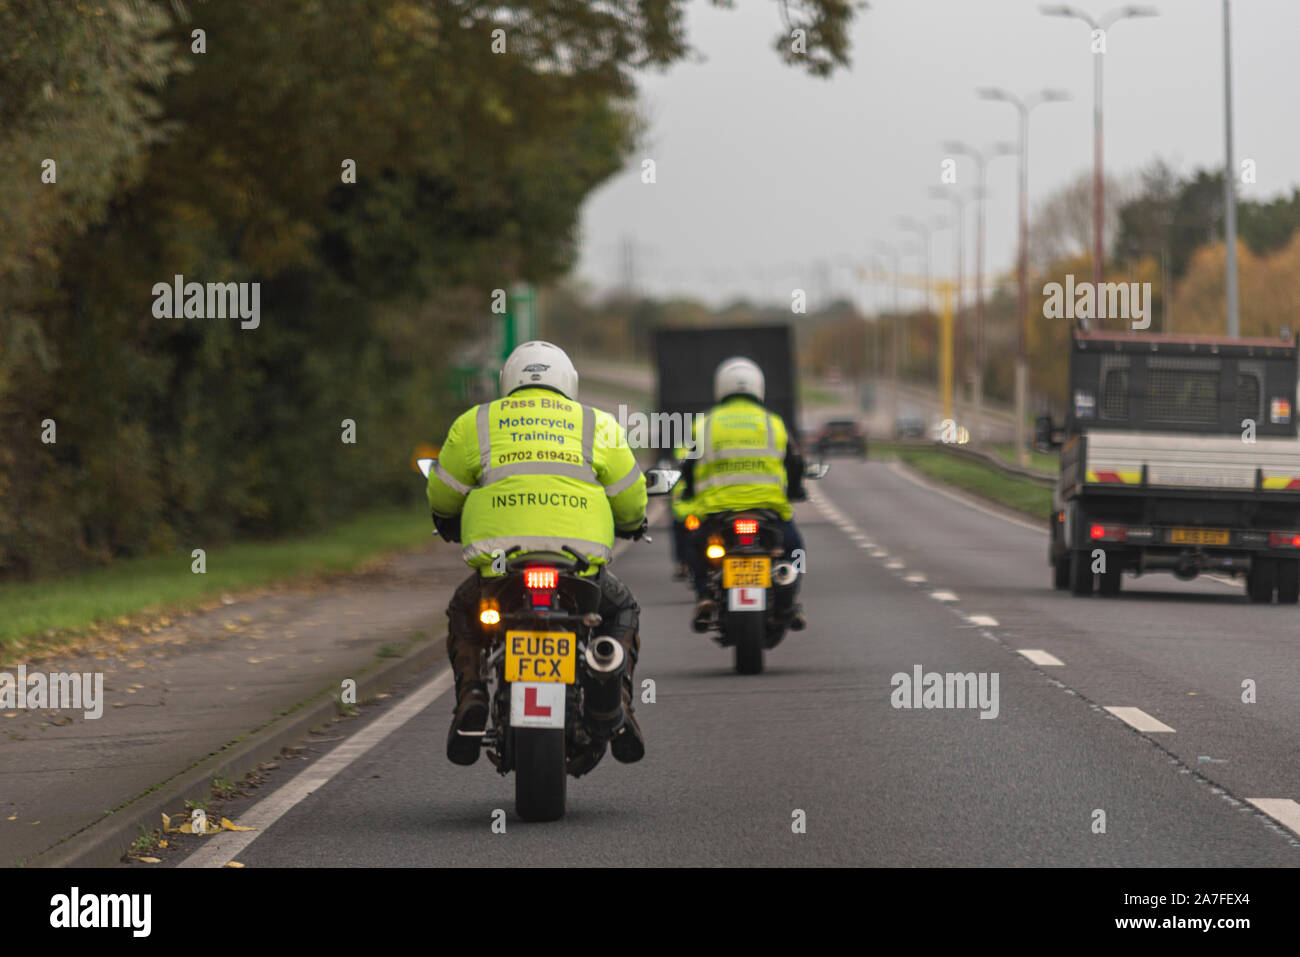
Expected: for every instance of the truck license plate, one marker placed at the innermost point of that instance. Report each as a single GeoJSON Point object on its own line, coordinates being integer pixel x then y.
{"type": "Point", "coordinates": [747, 573]}
{"type": "Point", "coordinates": [1199, 536]}
{"type": "Point", "coordinates": [545, 656]}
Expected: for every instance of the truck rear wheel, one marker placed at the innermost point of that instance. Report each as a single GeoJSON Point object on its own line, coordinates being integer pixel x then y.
{"type": "Point", "coordinates": [1288, 581]}
{"type": "Point", "coordinates": [1061, 572]}
{"type": "Point", "coordinates": [1261, 580]}
{"type": "Point", "coordinates": [1080, 573]}
{"type": "Point", "coordinates": [1110, 578]}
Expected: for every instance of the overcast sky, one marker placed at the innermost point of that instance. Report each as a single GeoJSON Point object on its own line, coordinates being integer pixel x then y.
{"type": "Point", "coordinates": [764, 173]}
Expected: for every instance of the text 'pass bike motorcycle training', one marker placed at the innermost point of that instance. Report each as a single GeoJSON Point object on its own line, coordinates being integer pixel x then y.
{"type": "Point", "coordinates": [749, 578]}
{"type": "Point", "coordinates": [555, 682]}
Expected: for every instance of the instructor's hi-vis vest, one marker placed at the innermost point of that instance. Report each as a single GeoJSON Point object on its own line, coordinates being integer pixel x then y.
{"type": "Point", "coordinates": [537, 471]}
{"type": "Point", "coordinates": [742, 459]}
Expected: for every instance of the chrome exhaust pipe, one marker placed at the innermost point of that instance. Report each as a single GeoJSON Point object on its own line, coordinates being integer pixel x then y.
{"type": "Point", "coordinates": [783, 574]}
{"type": "Point", "coordinates": [604, 657]}
{"type": "Point", "coordinates": [602, 691]}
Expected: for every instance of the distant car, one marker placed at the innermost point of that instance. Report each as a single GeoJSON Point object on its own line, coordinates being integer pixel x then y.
{"type": "Point", "coordinates": [909, 427]}
{"type": "Point", "coordinates": [841, 435]}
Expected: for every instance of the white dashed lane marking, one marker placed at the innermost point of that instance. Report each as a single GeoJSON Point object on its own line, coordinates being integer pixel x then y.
{"type": "Point", "coordinates": [943, 595]}
{"type": "Point", "coordinates": [985, 621]}
{"type": "Point", "coordinates": [1040, 657]}
{"type": "Point", "coordinates": [1139, 719]}
{"type": "Point", "coordinates": [1283, 810]}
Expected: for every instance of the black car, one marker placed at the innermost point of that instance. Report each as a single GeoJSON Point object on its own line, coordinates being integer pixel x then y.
{"type": "Point", "coordinates": [841, 435]}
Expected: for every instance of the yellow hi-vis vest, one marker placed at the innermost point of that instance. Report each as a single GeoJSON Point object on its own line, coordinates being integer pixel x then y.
{"type": "Point", "coordinates": [742, 459]}
{"type": "Point", "coordinates": [537, 470]}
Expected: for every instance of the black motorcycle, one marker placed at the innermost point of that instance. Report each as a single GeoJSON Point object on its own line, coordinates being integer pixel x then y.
{"type": "Point", "coordinates": [555, 682]}
{"type": "Point", "coordinates": [750, 581]}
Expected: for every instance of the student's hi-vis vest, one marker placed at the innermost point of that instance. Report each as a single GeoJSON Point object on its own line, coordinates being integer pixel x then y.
{"type": "Point", "coordinates": [742, 459]}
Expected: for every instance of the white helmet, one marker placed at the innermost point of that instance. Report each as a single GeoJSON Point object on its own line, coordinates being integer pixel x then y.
{"type": "Point", "coordinates": [539, 363]}
{"type": "Point", "coordinates": [737, 376]}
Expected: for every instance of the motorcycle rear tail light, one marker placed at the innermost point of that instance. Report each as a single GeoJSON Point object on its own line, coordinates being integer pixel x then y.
{"type": "Point", "coordinates": [746, 526]}
{"type": "Point", "coordinates": [539, 578]}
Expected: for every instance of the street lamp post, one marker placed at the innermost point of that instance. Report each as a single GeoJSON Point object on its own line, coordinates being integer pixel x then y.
{"type": "Point", "coordinates": [1023, 108]}
{"type": "Point", "coordinates": [1098, 27]}
{"type": "Point", "coordinates": [959, 251]}
{"type": "Point", "coordinates": [1229, 182]}
{"type": "Point", "coordinates": [981, 158]}
{"type": "Point", "coordinates": [893, 350]}
{"type": "Point", "coordinates": [925, 232]}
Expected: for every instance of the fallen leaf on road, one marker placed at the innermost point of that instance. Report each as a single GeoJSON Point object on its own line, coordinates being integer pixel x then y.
{"type": "Point", "coordinates": [233, 864]}
{"type": "Point", "coordinates": [227, 825]}
{"type": "Point", "coordinates": [149, 860]}
{"type": "Point", "coordinates": [12, 817]}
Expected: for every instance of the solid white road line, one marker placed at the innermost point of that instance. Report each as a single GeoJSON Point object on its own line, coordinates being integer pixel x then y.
{"type": "Point", "coordinates": [1283, 810]}
{"type": "Point", "coordinates": [942, 595]}
{"type": "Point", "coordinates": [1139, 719]}
{"type": "Point", "coordinates": [223, 847]}
{"type": "Point", "coordinates": [986, 621]}
{"type": "Point", "coordinates": [1040, 657]}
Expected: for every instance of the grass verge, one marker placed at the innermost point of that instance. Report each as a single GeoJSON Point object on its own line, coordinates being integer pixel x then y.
{"type": "Point", "coordinates": [70, 605]}
{"type": "Point", "coordinates": [982, 480]}
{"type": "Point", "coordinates": [1046, 462]}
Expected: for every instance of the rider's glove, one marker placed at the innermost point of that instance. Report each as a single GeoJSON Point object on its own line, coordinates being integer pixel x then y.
{"type": "Point", "coordinates": [633, 533]}
{"type": "Point", "coordinates": [448, 528]}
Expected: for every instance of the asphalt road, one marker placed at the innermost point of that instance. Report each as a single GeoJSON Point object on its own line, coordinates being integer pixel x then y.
{"type": "Point", "coordinates": [731, 759]}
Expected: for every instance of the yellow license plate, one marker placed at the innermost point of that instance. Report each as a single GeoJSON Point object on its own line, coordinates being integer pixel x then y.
{"type": "Point", "coordinates": [541, 656]}
{"type": "Point", "coordinates": [1199, 536]}
{"type": "Point", "coordinates": [747, 573]}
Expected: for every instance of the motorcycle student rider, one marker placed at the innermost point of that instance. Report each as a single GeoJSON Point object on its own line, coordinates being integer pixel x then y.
{"type": "Point", "coordinates": [539, 469]}
{"type": "Point", "coordinates": [682, 511]}
{"type": "Point", "coordinates": [745, 460]}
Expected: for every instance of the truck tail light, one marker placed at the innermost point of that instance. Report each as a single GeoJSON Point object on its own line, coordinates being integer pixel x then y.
{"type": "Point", "coordinates": [1108, 533]}
{"type": "Point", "coordinates": [1283, 540]}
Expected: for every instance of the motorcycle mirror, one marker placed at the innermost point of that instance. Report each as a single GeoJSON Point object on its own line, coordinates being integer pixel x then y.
{"type": "Point", "coordinates": [425, 466]}
{"type": "Point", "coordinates": [817, 470]}
{"type": "Point", "coordinates": [660, 481]}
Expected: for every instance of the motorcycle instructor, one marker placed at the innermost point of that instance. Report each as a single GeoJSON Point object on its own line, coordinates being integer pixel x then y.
{"type": "Point", "coordinates": [538, 469]}
{"type": "Point", "coordinates": [746, 460]}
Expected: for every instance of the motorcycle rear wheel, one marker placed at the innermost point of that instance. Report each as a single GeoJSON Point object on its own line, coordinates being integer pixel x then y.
{"type": "Point", "coordinates": [748, 631]}
{"type": "Point", "coordinates": [540, 779]}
